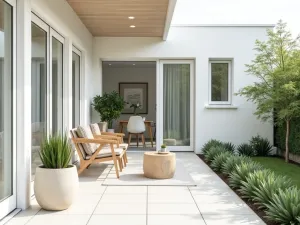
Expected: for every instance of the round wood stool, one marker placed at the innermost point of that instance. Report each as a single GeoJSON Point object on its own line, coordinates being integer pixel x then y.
{"type": "Point", "coordinates": [159, 166]}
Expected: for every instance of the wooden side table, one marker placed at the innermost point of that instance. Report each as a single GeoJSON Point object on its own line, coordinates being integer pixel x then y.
{"type": "Point", "coordinates": [159, 166]}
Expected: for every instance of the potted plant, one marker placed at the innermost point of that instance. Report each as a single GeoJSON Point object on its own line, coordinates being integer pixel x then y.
{"type": "Point", "coordinates": [163, 148]}
{"type": "Point", "coordinates": [109, 106]}
{"type": "Point", "coordinates": [56, 180]}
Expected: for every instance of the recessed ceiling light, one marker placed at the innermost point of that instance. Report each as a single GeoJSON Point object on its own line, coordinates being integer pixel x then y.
{"type": "Point", "coordinates": [133, 64]}
{"type": "Point", "coordinates": [132, 26]}
{"type": "Point", "coordinates": [109, 64]}
{"type": "Point", "coordinates": [131, 17]}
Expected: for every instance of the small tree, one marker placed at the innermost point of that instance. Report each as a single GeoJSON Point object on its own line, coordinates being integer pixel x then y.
{"type": "Point", "coordinates": [109, 106]}
{"type": "Point", "coordinates": [277, 68]}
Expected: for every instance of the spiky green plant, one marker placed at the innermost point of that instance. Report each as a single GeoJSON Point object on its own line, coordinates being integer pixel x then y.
{"type": "Point", "coordinates": [266, 188]}
{"type": "Point", "coordinates": [219, 160]}
{"type": "Point", "coordinates": [285, 207]}
{"type": "Point", "coordinates": [241, 172]}
{"type": "Point", "coordinates": [261, 146]}
{"type": "Point", "coordinates": [229, 146]}
{"type": "Point", "coordinates": [232, 162]}
{"type": "Point", "coordinates": [245, 149]}
{"type": "Point", "coordinates": [252, 181]}
{"type": "Point", "coordinates": [213, 152]}
{"type": "Point", "coordinates": [211, 143]}
{"type": "Point", "coordinates": [55, 152]}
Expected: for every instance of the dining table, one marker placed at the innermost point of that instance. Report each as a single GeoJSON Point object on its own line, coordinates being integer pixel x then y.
{"type": "Point", "coordinates": [148, 125]}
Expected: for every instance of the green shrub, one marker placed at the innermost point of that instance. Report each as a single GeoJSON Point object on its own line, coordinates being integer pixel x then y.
{"type": "Point", "coordinates": [269, 186]}
{"type": "Point", "coordinates": [229, 146]}
{"type": "Point", "coordinates": [55, 152]}
{"type": "Point", "coordinates": [232, 162]}
{"type": "Point", "coordinates": [285, 207]}
{"type": "Point", "coordinates": [252, 181]}
{"type": "Point", "coordinates": [219, 160]}
{"type": "Point", "coordinates": [261, 146]}
{"type": "Point", "coordinates": [241, 172]}
{"type": "Point", "coordinates": [245, 149]}
{"type": "Point", "coordinates": [213, 152]}
{"type": "Point", "coordinates": [209, 144]}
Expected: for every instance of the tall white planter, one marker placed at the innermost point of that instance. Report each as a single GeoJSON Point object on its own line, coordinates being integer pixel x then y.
{"type": "Point", "coordinates": [55, 189]}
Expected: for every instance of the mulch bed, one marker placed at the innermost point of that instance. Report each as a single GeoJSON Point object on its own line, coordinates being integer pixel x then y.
{"type": "Point", "coordinates": [258, 211]}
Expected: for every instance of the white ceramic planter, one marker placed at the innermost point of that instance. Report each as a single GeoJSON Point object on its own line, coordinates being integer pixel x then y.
{"type": "Point", "coordinates": [55, 189]}
{"type": "Point", "coordinates": [163, 149]}
{"type": "Point", "coordinates": [111, 130]}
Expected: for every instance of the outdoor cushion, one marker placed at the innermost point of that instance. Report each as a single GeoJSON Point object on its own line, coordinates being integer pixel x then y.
{"type": "Point", "coordinates": [106, 152]}
{"type": "Point", "coordinates": [75, 135]}
{"type": "Point", "coordinates": [85, 132]}
{"type": "Point", "coordinates": [95, 129]}
{"type": "Point", "coordinates": [123, 145]}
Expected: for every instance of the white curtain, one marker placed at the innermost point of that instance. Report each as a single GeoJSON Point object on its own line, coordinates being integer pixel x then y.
{"type": "Point", "coordinates": [177, 103]}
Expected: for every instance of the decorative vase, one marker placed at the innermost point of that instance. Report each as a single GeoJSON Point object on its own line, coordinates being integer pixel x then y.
{"type": "Point", "coordinates": [55, 189]}
{"type": "Point", "coordinates": [163, 149]}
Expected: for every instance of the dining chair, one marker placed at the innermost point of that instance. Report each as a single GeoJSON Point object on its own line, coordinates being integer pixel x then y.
{"type": "Point", "coordinates": [136, 126]}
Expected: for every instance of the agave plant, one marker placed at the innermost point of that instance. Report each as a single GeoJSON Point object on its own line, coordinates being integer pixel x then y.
{"type": "Point", "coordinates": [261, 146]}
{"type": "Point", "coordinates": [234, 160]}
{"type": "Point", "coordinates": [213, 152]}
{"type": "Point", "coordinates": [211, 143]}
{"type": "Point", "coordinates": [241, 172]}
{"type": "Point", "coordinates": [55, 152]}
{"type": "Point", "coordinates": [248, 187]}
{"type": "Point", "coordinates": [265, 190]}
{"type": "Point", "coordinates": [219, 160]}
{"type": "Point", "coordinates": [229, 146]}
{"type": "Point", "coordinates": [245, 149]}
{"type": "Point", "coordinates": [284, 207]}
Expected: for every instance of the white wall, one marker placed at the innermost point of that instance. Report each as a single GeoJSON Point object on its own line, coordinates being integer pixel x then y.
{"type": "Point", "coordinates": [60, 16]}
{"type": "Point", "coordinates": [112, 76]}
{"type": "Point", "coordinates": [200, 43]}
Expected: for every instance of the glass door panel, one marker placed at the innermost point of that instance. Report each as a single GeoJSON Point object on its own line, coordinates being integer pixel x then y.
{"type": "Point", "coordinates": [38, 92]}
{"type": "Point", "coordinates": [57, 86]}
{"type": "Point", "coordinates": [76, 60]}
{"type": "Point", "coordinates": [7, 153]}
{"type": "Point", "coordinates": [177, 105]}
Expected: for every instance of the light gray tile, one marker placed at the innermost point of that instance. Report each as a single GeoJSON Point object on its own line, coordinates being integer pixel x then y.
{"type": "Point", "coordinates": [225, 208]}
{"type": "Point", "coordinates": [175, 198]}
{"type": "Point", "coordinates": [174, 209]}
{"type": "Point", "coordinates": [121, 208]}
{"type": "Point", "coordinates": [128, 198]}
{"type": "Point", "coordinates": [168, 190]}
{"type": "Point", "coordinates": [233, 220]}
{"type": "Point", "coordinates": [126, 190]}
{"type": "Point", "coordinates": [175, 220]}
{"type": "Point", "coordinates": [59, 220]}
{"type": "Point", "coordinates": [215, 199]}
{"type": "Point", "coordinates": [118, 219]}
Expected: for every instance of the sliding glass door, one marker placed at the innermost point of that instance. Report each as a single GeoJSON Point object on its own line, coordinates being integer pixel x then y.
{"type": "Point", "coordinates": [7, 108]}
{"type": "Point", "coordinates": [176, 104]}
{"type": "Point", "coordinates": [76, 71]}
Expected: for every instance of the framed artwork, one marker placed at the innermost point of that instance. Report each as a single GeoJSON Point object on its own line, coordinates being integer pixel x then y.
{"type": "Point", "coordinates": [134, 93]}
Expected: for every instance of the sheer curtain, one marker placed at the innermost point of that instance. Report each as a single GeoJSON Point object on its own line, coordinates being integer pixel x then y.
{"type": "Point", "coordinates": [176, 100]}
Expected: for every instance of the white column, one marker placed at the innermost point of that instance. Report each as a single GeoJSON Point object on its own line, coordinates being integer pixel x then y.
{"type": "Point", "coordinates": [23, 103]}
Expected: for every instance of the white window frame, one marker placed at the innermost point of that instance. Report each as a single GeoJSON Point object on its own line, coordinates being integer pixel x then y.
{"type": "Point", "coordinates": [229, 102]}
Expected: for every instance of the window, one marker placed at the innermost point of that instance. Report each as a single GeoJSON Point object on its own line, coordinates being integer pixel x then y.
{"type": "Point", "coordinates": [76, 61]}
{"type": "Point", "coordinates": [220, 78]}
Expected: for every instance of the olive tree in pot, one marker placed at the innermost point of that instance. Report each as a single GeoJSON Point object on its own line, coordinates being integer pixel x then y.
{"type": "Point", "coordinates": [109, 106]}
{"type": "Point", "coordinates": [56, 180]}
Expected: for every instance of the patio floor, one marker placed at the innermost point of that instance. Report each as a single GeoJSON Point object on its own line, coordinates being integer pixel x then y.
{"type": "Point", "coordinates": [212, 202]}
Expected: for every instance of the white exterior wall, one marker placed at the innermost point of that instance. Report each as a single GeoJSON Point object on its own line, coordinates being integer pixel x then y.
{"type": "Point", "coordinates": [201, 44]}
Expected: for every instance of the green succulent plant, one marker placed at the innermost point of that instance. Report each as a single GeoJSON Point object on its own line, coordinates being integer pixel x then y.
{"type": "Point", "coordinates": [234, 160]}
{"type": "Point", "coordinates": [219, 160]}
{"type": "Point", "coordinates": [55, 152]}
{"type": "Point", "coordinates": [248, 187]}
{"type": "Point", "coordinates": [245, 149]}
{"type": "Point", "coordinates": [241, 172]}
{"type": "Point", "coordinates": [229, 146]}
{"type": "Point", "coordinates": [213, 152]}
{"type": "Point", "coordinates": [265, 190]}
{"type": "Point", "coordinates": [211, 143]}
{"type": "Point", "coordinates": [261, 146]}
{"type": "Point", "coordinates": [284, 207]}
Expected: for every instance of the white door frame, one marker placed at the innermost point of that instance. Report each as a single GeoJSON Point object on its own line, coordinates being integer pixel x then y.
{"type": "Point", "coordinates": [9, 203]}
{"type": "Point", "coordinates": [159, 100]}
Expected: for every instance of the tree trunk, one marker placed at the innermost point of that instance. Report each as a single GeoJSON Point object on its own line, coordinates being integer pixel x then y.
{"type": "Point", "coordinates": [287, 140]}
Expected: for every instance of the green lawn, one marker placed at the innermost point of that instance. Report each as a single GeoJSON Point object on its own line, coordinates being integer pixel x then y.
{"type": "Point", "coordinates": [279, 166]}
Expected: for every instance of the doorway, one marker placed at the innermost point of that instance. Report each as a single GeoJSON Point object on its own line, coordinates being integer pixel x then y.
{"type": "Point", "coordinates": [135, 81]}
